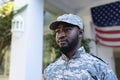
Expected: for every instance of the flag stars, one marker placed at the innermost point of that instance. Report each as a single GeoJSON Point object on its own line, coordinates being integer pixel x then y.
{"type": "Point", "coordinates": [106, 15]}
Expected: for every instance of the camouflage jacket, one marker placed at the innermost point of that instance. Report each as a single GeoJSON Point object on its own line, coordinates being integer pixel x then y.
{"type": "Point", "coordinates": [82, 66]}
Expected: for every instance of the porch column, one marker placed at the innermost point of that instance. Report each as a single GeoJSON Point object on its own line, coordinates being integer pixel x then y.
{"type": "Point", "coordinates": [27, 50]}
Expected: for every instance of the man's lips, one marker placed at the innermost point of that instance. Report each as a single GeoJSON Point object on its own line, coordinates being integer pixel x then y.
{"type": "Point", "coordinates": [62, 40]}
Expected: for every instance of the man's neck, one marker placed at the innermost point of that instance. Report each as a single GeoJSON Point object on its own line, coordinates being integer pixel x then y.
{"type": "Point", "coordinates": [72, 52]}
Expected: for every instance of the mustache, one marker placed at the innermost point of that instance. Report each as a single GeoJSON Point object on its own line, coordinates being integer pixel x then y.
{"type": "Point", "coordinates": [63, 39]}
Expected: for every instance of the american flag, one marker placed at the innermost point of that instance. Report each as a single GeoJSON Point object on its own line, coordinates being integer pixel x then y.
{"type": "Point", "coordinates": [106, 19]}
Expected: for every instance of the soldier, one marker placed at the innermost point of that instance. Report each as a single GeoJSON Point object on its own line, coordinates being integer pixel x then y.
{"type": "Point", "coordinates": [75, 63]}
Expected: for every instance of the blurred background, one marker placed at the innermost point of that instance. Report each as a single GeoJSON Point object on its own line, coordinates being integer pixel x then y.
{"type": "Point", "coordinates": [101, 23]}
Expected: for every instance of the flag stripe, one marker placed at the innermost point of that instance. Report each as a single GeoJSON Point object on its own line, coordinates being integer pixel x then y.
{"type": "Point", "coordinates": [108, 35]}
{"type": "Point", "coordinates": [108, 39]}
{"type": "Point", "coordinates": [109, 44]}
{"type": "Point", "coordinates": [108, 28]}
{"type": "Point", "coordinates": [105, 38]}
{"type": "Point", "coordinates": [108, 31]}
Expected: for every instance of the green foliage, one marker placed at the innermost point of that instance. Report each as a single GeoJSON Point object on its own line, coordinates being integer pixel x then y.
{"type": "Point", "coordinates": [20, 10]}
{"type": "Point", "coordinates": [49, 46]}
{"type": "Point", "coordinates": [50, 39]}
{"type": "Point", "coordinates": [85, 43]}
{"type": "Point", "coordinates": [7, 12]}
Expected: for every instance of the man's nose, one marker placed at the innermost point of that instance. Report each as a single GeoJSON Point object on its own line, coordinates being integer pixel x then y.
{"type": "Point", "coordinates": [61, 34]}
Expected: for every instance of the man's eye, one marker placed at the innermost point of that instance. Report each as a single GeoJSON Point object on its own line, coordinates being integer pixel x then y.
{"type": "Point", "coordinates": [67, 29]}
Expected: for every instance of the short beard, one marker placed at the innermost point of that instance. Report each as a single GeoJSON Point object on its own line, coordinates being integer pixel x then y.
{"type": "Point", "coordinates": [71, 46]}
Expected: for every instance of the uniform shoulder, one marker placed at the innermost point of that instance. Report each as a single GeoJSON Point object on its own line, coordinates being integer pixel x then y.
{"type": "Point", "coordinates": [100, 59]}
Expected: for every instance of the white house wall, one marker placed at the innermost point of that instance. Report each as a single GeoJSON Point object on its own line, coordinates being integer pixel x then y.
{"type": "Point", "coordinates": [27, 50]}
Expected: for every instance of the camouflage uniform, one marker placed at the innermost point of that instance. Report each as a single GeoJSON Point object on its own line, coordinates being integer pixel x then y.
{"type": "Point", "coordinates": [82, 66]}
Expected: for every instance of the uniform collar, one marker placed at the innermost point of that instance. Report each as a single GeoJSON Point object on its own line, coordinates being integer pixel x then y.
{"type": "Point", "coordinates": [77, 54]}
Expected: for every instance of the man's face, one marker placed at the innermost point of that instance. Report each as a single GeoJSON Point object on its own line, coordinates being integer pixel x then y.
{"type": "Point", "coordinates": [67, 37]}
